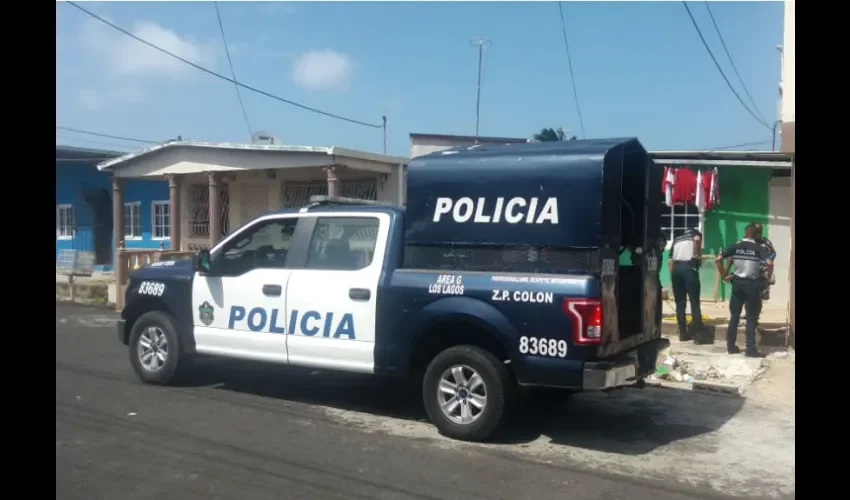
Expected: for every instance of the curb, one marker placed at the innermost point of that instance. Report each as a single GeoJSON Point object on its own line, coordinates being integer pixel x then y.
{"type": "Point", "coordinates": [85, 293]}
{"type": "Point", "coordinates": [79, 302]}
{"type": "Point", "coordinates": [717, 388]}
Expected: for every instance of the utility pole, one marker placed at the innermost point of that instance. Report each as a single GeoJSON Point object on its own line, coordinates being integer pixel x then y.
{"type": "Point", "coordinates": [480, 43]}
{"type": "Point", "coordinates": [384, 125]}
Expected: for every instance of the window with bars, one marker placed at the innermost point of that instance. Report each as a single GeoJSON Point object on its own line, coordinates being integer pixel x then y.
{"type": "Point", "coordinates": [64, 222]}
{"type": "Point", "coordinates": [161, 220]}
{"type": "Point", "coordinates": [677, 219]}
{"type": "Point", "coordinates": [199, 210]}
{"type": "Point", "coordinates": [133, 220]}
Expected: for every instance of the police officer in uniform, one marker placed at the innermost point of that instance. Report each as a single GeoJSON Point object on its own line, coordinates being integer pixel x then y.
{"type": "Point", "coordinates": [684, 263]}
{"type": "Point", "coordinates": [749, 259]}
{"type": "Point", "coordinates": [763, 240]}
{"type": "Point", "coordinates": [771, 251]}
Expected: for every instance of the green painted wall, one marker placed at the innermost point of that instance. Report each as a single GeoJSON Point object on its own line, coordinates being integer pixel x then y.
{"type": "Point", "coordinates": [744, 198]}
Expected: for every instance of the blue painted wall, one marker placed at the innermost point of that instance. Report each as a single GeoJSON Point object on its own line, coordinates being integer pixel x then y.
{"type": "Point", "coordinates": [78, 182]}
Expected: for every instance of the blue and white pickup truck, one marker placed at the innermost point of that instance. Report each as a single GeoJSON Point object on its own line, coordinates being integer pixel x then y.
{"type": "Point", "coordinates": [503, 272]}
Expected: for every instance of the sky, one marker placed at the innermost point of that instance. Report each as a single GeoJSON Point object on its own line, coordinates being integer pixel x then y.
{"type": "Point", "coordinates": [640, 70]}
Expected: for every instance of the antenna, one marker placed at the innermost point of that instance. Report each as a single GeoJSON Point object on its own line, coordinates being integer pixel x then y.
{"type": "Point", "coordinates": [480, 43]}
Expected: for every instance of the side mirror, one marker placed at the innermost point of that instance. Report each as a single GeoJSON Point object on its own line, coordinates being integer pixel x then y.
{"type": "Point", "coordinates": [202, 262]}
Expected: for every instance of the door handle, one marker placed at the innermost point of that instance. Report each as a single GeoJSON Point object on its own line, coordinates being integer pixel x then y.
{"type": "Point", "coordinates": [272, 290]}
{"type": "Point", "coordinates": [359, 294]}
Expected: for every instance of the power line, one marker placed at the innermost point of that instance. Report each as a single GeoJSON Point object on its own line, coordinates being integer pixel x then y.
{"type": "Point", "coordinates": [572, 75]}
{"type": "Point", "coordinates": [732, 62]}
{"type": "Point", "coordinates": [219, 75]}
{"type": "Point", "coordinates": [711, 54]}
{"type": "Point", "coordinates": [98, 134]}
{"type": "Point", "coordinates": [232, 71]}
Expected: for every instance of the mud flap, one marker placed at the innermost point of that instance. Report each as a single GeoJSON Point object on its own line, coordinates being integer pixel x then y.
{"type": "Point", "coordinates": [610, 313]}
{"type": "Point", "coordinates": [651, 296]}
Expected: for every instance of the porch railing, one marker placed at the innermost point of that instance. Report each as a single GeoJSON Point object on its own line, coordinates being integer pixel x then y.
{"type": "Point", "coordinates": [130, 260]}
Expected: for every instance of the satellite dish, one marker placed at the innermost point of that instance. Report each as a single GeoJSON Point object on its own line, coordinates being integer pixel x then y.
{"type": "Point", "coordinates": [263, 137]}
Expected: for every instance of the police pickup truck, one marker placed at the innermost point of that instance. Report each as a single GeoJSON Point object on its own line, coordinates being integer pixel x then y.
{"type": "Point", "coordinates": [505, 271]}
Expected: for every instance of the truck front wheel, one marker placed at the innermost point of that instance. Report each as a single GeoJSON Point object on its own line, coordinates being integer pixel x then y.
{"type": "Point", "coordinates": [154, 349]}
{"type": "Point", "coordinates": [468, 393]}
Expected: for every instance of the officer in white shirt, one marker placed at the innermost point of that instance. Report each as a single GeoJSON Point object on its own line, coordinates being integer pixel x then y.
{"type": "Point", "coordinates": [684, 263]}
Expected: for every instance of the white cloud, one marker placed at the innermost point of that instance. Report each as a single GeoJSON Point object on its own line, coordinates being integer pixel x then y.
{"type": "Point", "coordinates": [322, 70]}
{"type": "Point", "coordinates": [282, 8]}
{"type": "Point", "coordinates": [126, 57]}
{"type": "Point", "coordinates": [96, 100]}
{"type": "Point", "coordinates": [89, 99]}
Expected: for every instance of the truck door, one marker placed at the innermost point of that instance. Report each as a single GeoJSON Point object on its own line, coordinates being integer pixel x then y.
{"type": "Point", "coordinates": [332, 299]}
{"type": "Point", "coordinates": [239, 309]}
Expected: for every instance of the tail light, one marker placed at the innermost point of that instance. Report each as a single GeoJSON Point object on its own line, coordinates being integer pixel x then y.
{"type": "Point", "coordinates": [586, 315]}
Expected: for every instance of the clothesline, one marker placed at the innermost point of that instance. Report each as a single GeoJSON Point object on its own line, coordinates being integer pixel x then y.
{"type": "Point", "coordinates": [683, 185]}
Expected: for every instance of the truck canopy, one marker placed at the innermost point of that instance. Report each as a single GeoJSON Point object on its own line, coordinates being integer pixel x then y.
{"type": "Point", "coordinates": [578, 195]}
{"type": "Point", "coordinates": [548, 207]}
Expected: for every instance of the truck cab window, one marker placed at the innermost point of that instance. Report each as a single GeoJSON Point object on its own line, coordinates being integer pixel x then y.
{"type": "Point", "coordinates": [262, 246]}
{"type": "Point", "coordinates": [343, 243]}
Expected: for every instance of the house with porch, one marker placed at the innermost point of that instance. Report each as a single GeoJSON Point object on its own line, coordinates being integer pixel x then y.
{"type": "Point", "coordinates": [213, 188]}
{"type": "Point", "coordinates": [751, 186]}
{"type": "Point", "coordinates": [84, 213]}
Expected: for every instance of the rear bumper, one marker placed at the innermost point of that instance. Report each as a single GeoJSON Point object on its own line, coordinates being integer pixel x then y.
{"type": "Point", "coordinates": [623, 370]}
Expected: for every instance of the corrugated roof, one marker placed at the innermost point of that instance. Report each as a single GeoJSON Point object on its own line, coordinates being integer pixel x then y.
{"type": "Point", "coordinates": [467, 138]}
{"type": "Point", "coordinates": [272, 148]}
{"type": "Point", "coordinates": [768, 159]}
{"type": "Point", "coordinates": [63, 151]}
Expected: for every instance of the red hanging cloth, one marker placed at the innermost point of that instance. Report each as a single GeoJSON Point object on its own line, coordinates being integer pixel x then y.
{"type": "Point", "coordinates": [684, 190]}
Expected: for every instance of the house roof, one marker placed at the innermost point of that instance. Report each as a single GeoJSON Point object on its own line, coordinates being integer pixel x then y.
{"type": "Point", "coordinates": [767, 159]}
{"type": "Point", "coordinates": [270, 148]}
{"type": "Point", "coordinates": [77, 153]}
{"type": "Point", "coordinates": [467, 138]}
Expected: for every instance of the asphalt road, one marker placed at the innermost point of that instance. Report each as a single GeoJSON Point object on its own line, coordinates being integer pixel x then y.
{"type": "Point", "coordinates": [250, 432]}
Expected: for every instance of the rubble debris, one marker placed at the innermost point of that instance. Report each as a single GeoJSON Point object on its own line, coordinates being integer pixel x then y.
{"type": "Point", "coordinates": [708, 371]}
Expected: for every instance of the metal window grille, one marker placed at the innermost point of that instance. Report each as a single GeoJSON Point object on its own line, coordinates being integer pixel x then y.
{"type": "Point", "coordinates": [297, 194]}
{"type": "Point", "coordinates": [133, 220]}
{"type": "Point", "coordinates": [199, 210]}
{"type": "Point", "coordinates": [677, 219]}
{"type": "Point", "coordinates": [65, 221]}
{"type": "Point", "coordinates": [161, 227]}
{"type": "Point", "coordinates": [360, 189]}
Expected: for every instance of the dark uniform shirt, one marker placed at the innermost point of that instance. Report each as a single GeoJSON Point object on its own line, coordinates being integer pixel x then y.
{"type": "Point", "coordinates": [767, 245]}
{"type": "Point", "coordinates": [684, 248]}
{"type": "Point", "coordinates": [749, 259]}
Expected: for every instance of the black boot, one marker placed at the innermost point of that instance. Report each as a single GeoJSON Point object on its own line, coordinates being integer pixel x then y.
{"type": "Point", "coordinates": [685, 335]}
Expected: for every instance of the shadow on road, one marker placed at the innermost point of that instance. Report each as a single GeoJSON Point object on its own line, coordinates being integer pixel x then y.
{"type": "Point", "coordinates": [628, 421]}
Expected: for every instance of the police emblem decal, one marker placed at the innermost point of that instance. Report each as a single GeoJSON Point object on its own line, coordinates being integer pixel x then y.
{"type": "Point", "coordinates": [205, 313]}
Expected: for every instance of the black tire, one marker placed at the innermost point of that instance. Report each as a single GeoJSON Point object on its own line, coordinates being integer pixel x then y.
{"type": "Point", "coordinates": [500, 385]}
{"type": "Point", "coordinates": [167, 374]}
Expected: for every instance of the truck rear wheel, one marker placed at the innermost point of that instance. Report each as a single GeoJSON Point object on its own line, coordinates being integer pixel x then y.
{"type": "Point", "coordinates": [468, 393]}
{"type": "Point", "coordinates": [154, 348]}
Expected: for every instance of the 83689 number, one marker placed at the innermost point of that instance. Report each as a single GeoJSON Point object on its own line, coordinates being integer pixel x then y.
{"type": "Point", "coordinates": [543, 347]}
{"type": "Point", "coordinates": [151, 288]}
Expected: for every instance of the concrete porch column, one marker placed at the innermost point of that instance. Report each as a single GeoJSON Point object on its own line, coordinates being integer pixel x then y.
{"type": "Point", "coordinates": [792, 338]}
{"type": "Point", "coordinates": [333, 182]}
{"type": "Point", "coordinates": [121, 272]}
{"type": "Point", "coordinates": [215, 208]}
{"type": "Point", "coordinates": [175, 215]}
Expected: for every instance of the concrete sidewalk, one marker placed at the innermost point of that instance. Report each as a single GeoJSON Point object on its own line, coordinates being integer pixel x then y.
{"type": "Point", "coordinates": [773, 322]}
{"type": "Point", "coordinates": [97, 289]}
{"type": "Point", "coordinates": [771, 312]}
